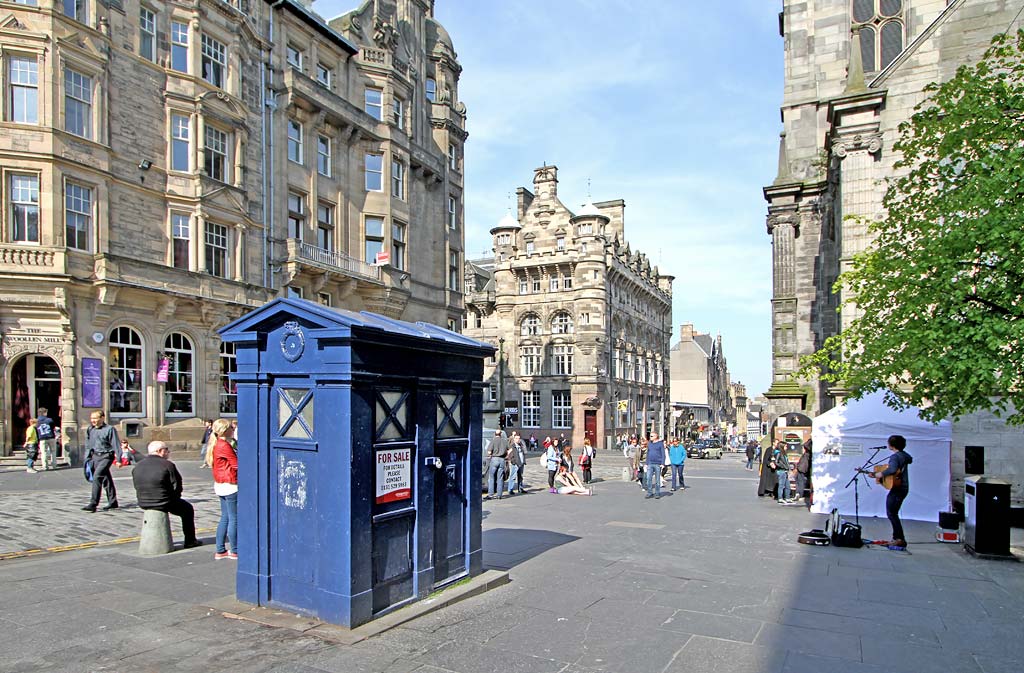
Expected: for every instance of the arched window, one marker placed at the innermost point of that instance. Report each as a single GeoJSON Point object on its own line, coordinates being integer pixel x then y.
{"type": "Point", "coordinates": [178, 396]}
{"type": "Point", "coordinates": [561, 323]}
{"type": "Point", "coordinates": [880, 25]}
{"type": "Point", "coordinates": [124, 372]}
{"type": "Point", "coordinates": [530, 326]}
{"type": "Point", "coordinates": [228, 388]}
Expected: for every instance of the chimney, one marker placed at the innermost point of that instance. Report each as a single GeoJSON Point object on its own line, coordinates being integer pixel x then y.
{"type": "Point", "coordinates": [545, 180]}
{"type": "Point", "coordinates": [686, 331]}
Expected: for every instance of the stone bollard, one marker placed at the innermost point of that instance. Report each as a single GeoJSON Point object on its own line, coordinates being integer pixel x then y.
{"type": "Point", "coordinates": [156, 533]}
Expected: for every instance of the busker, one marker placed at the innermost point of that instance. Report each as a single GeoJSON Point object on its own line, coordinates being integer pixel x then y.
{"type": "Point", "coordinates": [158, 486]}
{"type": "Point", "coordinates": [899, 468]}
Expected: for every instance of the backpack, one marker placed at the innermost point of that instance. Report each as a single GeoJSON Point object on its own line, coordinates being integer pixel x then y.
{"type": "Point", "coordinates": [843, 533]}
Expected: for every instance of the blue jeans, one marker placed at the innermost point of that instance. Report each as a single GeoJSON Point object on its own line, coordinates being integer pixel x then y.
{"type": "Point", "coordinates": [653, 477]}
{"type": "Point", "coordinates": [513, 470]}
{"type": "Point", "coordinates": [678, 470]}
{"type": "Point", "coordinates": [496, 475]}
{"type": "Point", "coordinates": [784, 490]}
{"type": "Point", "coordinates": [228, 524]}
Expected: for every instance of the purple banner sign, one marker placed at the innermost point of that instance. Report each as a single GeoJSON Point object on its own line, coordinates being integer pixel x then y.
{"type": "Point", "coordinates": [92, 382]}
{"type": "Point", "coordinates": [163, 369]}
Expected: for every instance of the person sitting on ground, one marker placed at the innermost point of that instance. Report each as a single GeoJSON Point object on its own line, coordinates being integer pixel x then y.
{"type": "Point", "coordinates": [571, 484]}
{"type": "Point", "coordinates": [158, 486]}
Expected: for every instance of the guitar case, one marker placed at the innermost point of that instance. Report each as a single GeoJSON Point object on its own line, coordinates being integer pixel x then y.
{"type": "Point", "coordinates": [815, 537]}
{"type": "Point", "coordinates": [843, 533]}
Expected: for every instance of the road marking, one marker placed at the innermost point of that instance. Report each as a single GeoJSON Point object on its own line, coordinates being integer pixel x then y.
{"type": "Point", "coordinates": [630, 524]}
{"type": "Point", "coordinates": [81, 545]}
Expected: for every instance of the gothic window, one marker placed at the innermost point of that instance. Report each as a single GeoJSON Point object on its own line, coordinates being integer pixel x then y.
{"type": "Point", "coordinates": [530, 326]}
{"type": "Point", "coordinates": [561, 323]}
{"type": "Point", "coordinates": [880, 25]}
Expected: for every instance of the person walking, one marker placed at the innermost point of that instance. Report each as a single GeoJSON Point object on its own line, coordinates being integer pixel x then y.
{"type": "Point", "coordinates": [899, 467]}
{"type": "Point", "coordinates": [803, 471]}
{"type": "Point", "coordinates": [655, 461]}
{"type": "Point", "coordinates": [768, 480]}
{"type": "Point", "coordinates": [102, 448]}
{"type": "Point", "coordinates": [516, 462]}
{"type": "Point", "coordinates": [677, 459]}
{"type": "Point", "coordinates": [750, 455]}
{"type": "Point", "coordinates": [204, 445]}
{"type": "Point", "coordinates": [497, 451]}
{"type": "Point", "coordinates": [158, 486]}
{"type": "Point", "coordinates": [47, 439]}
{"type": "Point", "coordinates": [222, 457]}
{"type": "Point", "coordinates": [552, 460]}
{"type": "Point", "coordinates": [629, 453]}
{"type": "Point", "coordinates": [31, 446]}
{"type": "Point", "coordinates": [587, 454]}
{"type": "Point", "coordinates": [641, 463]}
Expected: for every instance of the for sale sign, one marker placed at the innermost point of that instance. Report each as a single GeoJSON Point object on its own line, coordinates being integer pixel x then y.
{"type": "Point", "coordinates": [394, 475]}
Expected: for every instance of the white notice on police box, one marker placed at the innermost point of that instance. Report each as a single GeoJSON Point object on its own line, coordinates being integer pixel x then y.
{"type": "Point", "coordinates": [394, 475]}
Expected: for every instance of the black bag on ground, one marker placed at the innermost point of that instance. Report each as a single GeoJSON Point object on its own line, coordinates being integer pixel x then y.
{"type": "Point", "coordinates": [843, 533]}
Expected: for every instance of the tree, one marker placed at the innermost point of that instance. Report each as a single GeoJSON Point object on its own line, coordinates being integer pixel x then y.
{"type": "Point", "coordinates": [940, 291]}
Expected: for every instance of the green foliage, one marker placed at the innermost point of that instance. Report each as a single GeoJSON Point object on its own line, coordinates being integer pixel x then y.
{"type": "Point", "coordinates": [941, 288]}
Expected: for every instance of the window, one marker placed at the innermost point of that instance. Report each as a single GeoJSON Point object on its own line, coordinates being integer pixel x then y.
{"type": "Point", "coordinates": [503, 239]}
{"type": "Point", "coordinates": [553, 284]}
{"type": "Point", "coordinates": [323, 75]}
{"type": "Point", "coordinates": [560, 243]}
{"type": "Point", "coordinates": [561, 409]}
{"type": "Point", "coordinates": [323, 156]}
{"type": "Point", "coordinates": [529, 247]}
{"type": "Point", "coordinates": [296, 215]}
{"type": "Point", "coordinates": [179, 46]}
{"type": "Point", "coordinates": [638, 369]}
{"type": "Point", "coordinates": [561, 355]}
{"type": "Point", "coordinates": [880, 25]}
{"type": "Point", "coordinates": [561, 323]}
{"type": "Point", "coordinates": [228, 388]}
{"type": "Point", "coordinates": [374, 172]}
{"type": "Point", "coordinates": [398, 112]}
{"type": "Point", "coordinates": [77, 103]}
{"type": "Point", "coordinates": [531, 408]}
{"type": "Point", "coordinates": [23, 89]}
{"type": "Point", "coordinates": [77, 10]}
{"type": "Point", "coordinates": [397, 179]}
{"type": "Point", "coordinates": [524, 286]}
{"type": "Point", "coordinates": [453, 157]}
{"type": "Point", "coordinates": [325, 226]}
{"type": "Point", "coordinates": [567, 283]}
{"type": "Point", "coordinates": [180, 151]}
{"type": "Point", "coordinates": [453, 271]}
{"type": "Point", "coordinates": [294, 57]}
{"type": "Point", "coordinates": [478, 320]}
{"type": "Point", "coordinates": [181, 237]}
{"type": "Point", "coordinates": [147, 34]}
{"type": "Point", "coordinates": [584, 318]}
{"type": "Point", "coordinates": [216, 250]}
{"type": "Point", "coordinates": [585, 229]}
{"type": "Point", "coordinates": [530, 326]}
{"type": "Point", "coordinates": [535, 285]}
{"type": "Point", "coordinates": [398, 245]}
{"type": "Point", "coordinates": [431, 89]}
{"type": "Point", "coordinates": [77, 215]}
{"type": "Point", "coordinates": [215, 62]}
{"type": "Point", "coordinates": [293, 292]}
{"type": "Point", "coordinates": [373, 238]}
{"type": "Point", "coordinates": [583, 248]}
{"type": "Point", "coordinates": [24, 199]}
{"type": "Point", "coordinates": [492, 393]}
{"type": "Point", "coordinates": [453, 207]}
{"type": "Point", "coordinates": [178, 398]}
{"type": "Point", "coordinates": [216, 154]}
{"type": "Point", "coordinates": [373, 103]}
{"type": "Point", "coordinates": [124, 371]}
{"type": "Point", "coordinates": [324, 298]}
{"type": "Point", "coordinates": [294, 141]}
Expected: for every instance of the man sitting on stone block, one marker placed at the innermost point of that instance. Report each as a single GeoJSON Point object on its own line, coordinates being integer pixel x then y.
{"type": "Point", "coordinates": [158, 486]}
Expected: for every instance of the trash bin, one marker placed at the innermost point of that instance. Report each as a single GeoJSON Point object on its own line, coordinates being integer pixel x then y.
{"type": "Point", "coordinates": [987, 516]}
{"type": "Point", "coordinates": [359, 459]}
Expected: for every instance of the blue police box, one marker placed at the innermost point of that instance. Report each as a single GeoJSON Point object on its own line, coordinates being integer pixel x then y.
{"type": "Point", "coordinates": [359, 459]}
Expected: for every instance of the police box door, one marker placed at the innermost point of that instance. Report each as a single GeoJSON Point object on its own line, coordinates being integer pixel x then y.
{"type": "Point", "coordinates": [451, 497]}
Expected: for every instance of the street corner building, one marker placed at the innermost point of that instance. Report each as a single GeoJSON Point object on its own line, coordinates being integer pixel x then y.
{"type": "Point", "coordinates": [581, 322]}
{"type": "Point", "coordinates": [166, 167]}
{"type": "Point", "coordinates": [854, 70]}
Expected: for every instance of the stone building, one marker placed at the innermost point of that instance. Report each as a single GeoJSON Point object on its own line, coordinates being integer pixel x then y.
{"type": "Point", "coordinates": [699, 384]}
{"type": "Point", "coordinates": [167, 166]}
{"type": "Point", "coordinates": [581, 321]}
{"type": "Point", "coordinates": [854, 70]}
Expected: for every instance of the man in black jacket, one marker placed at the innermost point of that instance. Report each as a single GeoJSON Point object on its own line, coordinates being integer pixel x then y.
{"type": "Point", "coordinates": [158, 486]}
{"type": "Point", "coordinates": [899, 468]}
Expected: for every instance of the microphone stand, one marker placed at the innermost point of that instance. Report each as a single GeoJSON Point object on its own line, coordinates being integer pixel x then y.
{"type": "Point", "coordinates": [856, 482]}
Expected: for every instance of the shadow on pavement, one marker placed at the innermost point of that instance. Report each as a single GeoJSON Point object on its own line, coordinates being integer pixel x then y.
{"type": "Point", "coordinates": [505, 548]}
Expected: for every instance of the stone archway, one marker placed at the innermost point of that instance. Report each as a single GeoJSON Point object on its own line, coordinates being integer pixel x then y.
{"type": "Point", "coordinates": [34, 383]}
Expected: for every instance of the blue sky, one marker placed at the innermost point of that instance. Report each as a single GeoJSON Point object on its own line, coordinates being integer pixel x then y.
{"type": "Point", "coordinates": [672, 106]}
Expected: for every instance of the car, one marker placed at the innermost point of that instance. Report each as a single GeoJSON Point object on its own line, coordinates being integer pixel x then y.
{"type": "Point", "coordinates": [705, 448]}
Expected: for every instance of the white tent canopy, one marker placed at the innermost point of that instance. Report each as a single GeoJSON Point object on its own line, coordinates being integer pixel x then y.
{"type": "Point", "coordinates": [846, 436]}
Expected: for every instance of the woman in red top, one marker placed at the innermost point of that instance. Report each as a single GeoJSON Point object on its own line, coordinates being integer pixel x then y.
{"type": "Point", "coordinates": [223, 458]}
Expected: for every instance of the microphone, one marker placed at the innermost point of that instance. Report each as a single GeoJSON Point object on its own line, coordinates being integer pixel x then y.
{"type": "Point", "coordinates": [875, 448]}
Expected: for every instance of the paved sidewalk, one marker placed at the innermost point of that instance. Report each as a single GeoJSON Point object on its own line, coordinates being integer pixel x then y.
{"type": "Point", "coordinates": [707, 579]}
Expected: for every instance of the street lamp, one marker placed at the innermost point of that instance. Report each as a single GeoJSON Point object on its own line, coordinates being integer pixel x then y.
{"type": "Point", "coordinates": [501, 382]}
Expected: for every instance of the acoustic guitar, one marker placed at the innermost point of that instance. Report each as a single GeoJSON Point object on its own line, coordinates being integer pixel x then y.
{"type": "Point", "coordinates": [887, 481]}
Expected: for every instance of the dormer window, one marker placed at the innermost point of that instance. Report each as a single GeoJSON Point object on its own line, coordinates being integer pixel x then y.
{"type": "Point", "coordinates": [560, 243]}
